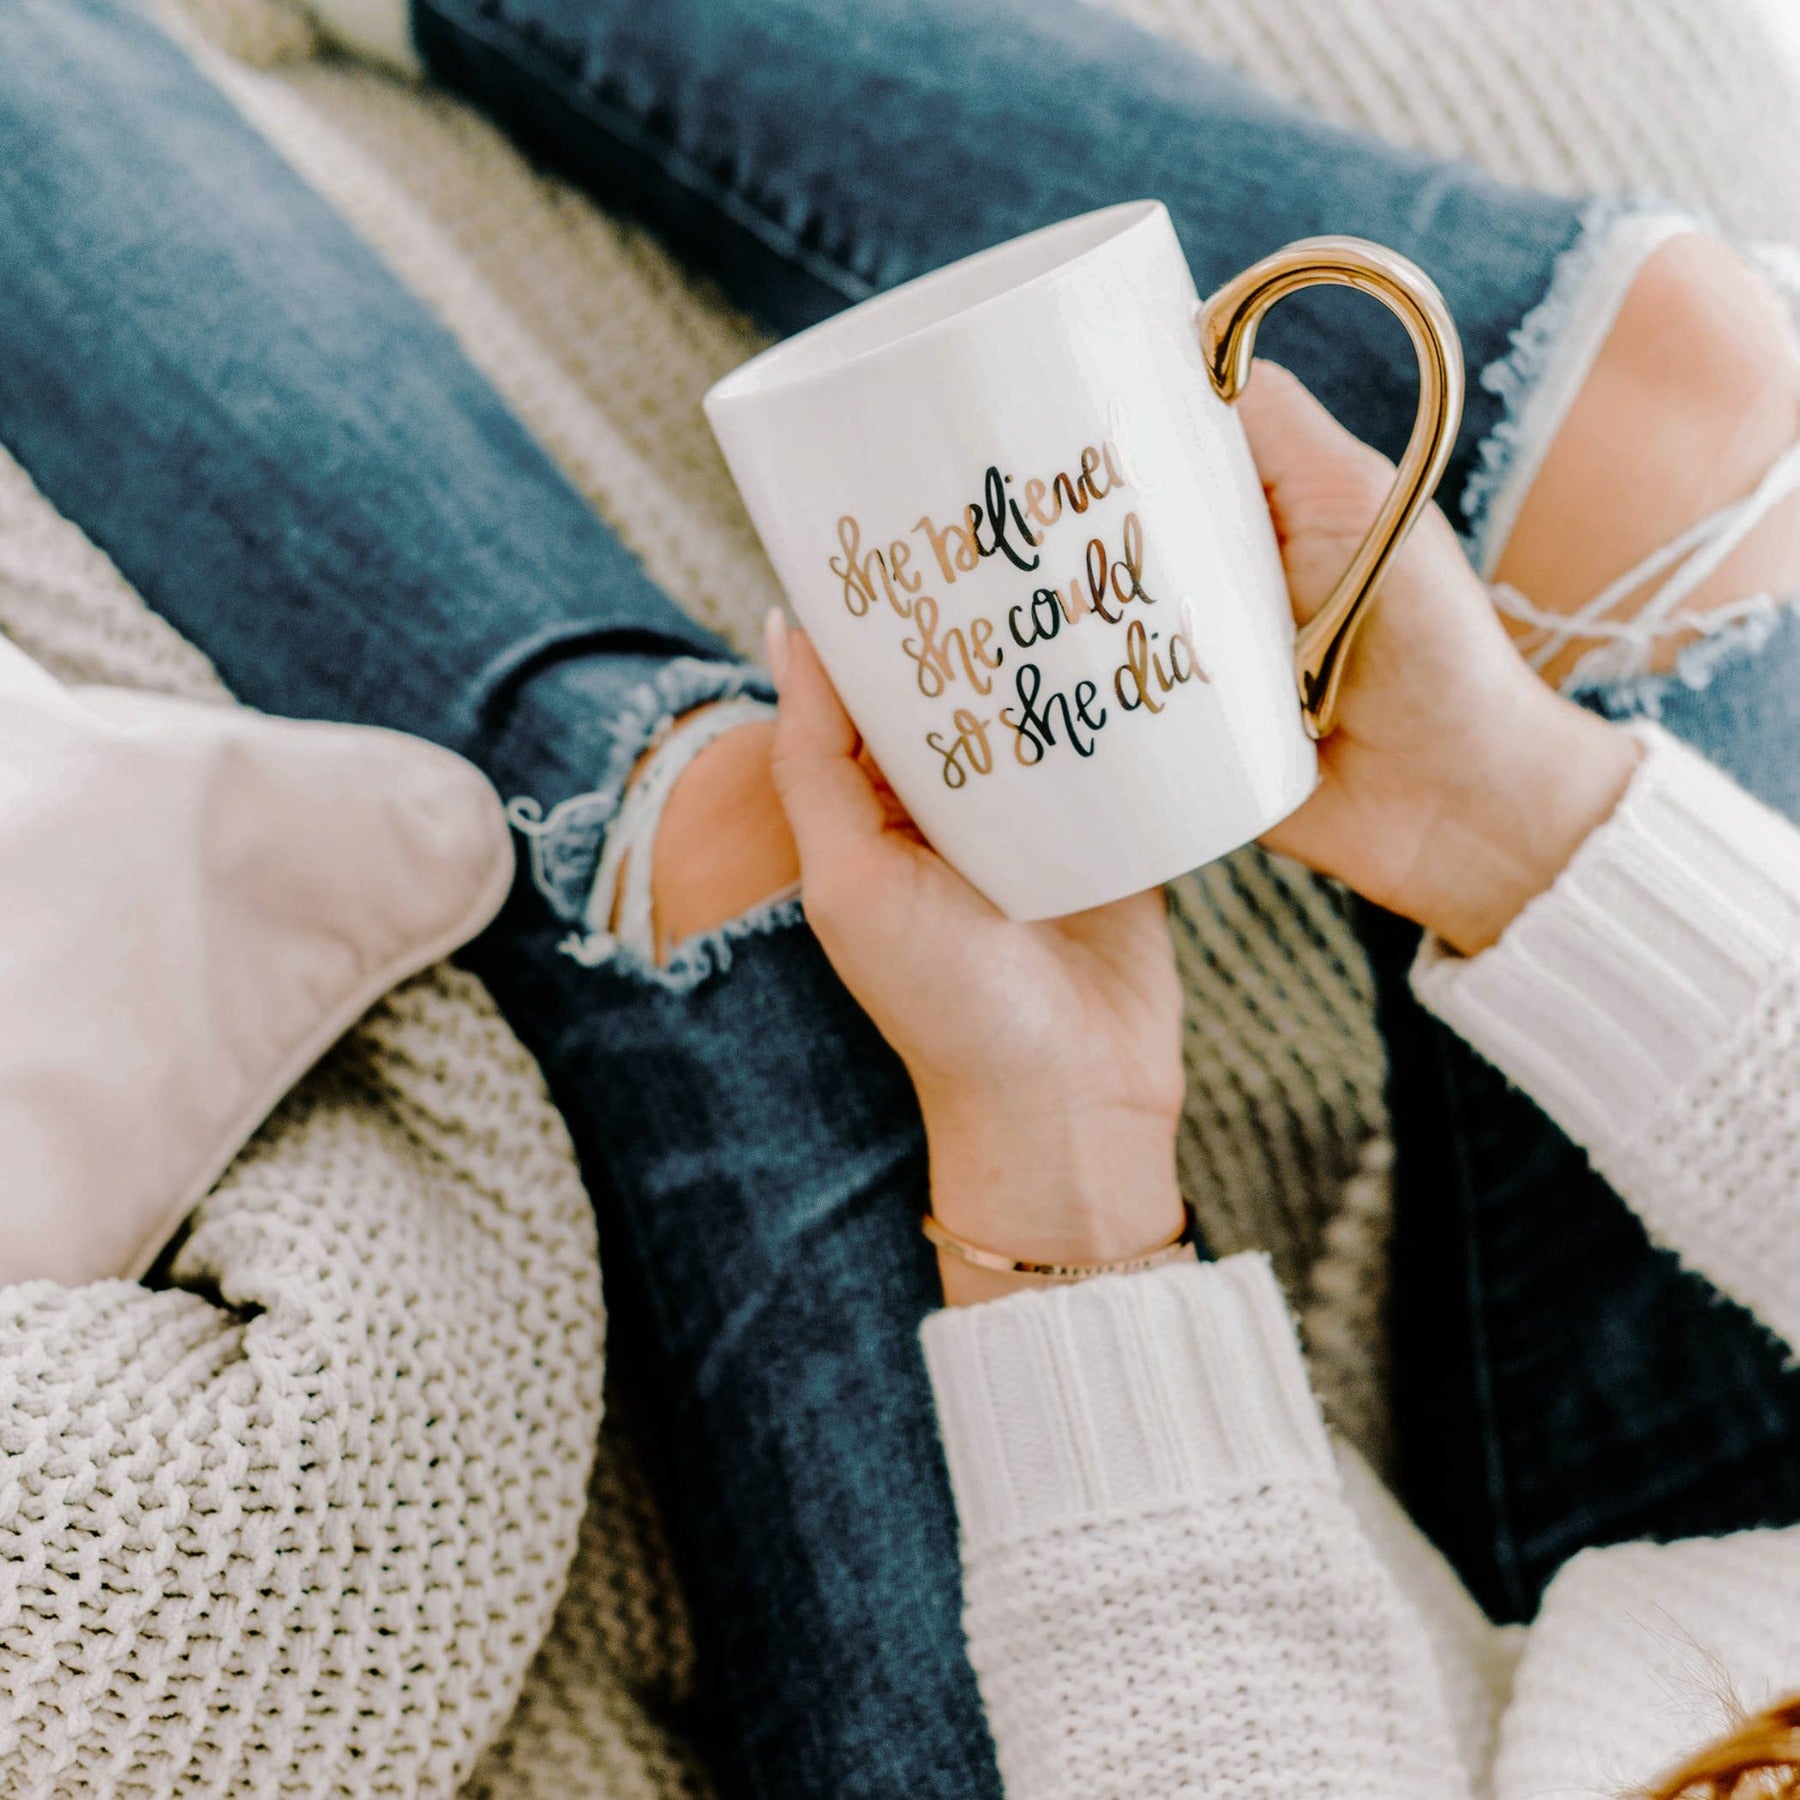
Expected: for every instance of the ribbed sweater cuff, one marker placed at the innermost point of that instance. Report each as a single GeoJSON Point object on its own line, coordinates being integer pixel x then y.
{"type": "Point", "coordinates": [1126, 1393]}
{"type": "Point", "coordinates": [1615, 989]}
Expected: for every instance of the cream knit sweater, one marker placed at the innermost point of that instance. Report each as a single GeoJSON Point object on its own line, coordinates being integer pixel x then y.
{"type": "Point", "coordinates": [1175, 1586]}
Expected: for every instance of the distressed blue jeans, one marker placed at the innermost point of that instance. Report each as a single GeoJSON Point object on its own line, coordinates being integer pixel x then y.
{"type": "Point", "coordinates": [207, 370]}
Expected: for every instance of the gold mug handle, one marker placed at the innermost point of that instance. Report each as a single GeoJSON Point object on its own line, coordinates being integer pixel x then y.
{"type": "Point", "coordinates": [1227, 323]}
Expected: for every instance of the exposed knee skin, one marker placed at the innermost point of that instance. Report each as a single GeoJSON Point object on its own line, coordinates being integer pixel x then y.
{"type": "Point", "coordinates": [1695, 392]}
{"type": "Point", "coordinates": [723, 845]}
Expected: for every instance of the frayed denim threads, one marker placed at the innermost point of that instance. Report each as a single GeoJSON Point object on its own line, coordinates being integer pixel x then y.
{"type": "Point", "coordinates": [1548, 358]}
{"type": "Point", "coordinates": [1711, 657]}
{"type": "Point", "coordinates": [576, 867]}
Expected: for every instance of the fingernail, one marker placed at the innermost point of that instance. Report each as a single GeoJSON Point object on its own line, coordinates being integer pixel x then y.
{"type": "Point", "coordinates": [775, 644]}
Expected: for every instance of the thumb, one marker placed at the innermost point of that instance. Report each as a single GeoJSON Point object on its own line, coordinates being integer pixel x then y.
{"type": "Point", "coordinates": [830, 801]}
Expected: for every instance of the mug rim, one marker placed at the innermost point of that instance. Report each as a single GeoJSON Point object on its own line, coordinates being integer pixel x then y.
{"type": "Point", "coordinates": [769, 372]}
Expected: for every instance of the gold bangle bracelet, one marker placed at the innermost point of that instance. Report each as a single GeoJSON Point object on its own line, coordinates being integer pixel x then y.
{"type": "Point", "coordinates": [1182, 1247]}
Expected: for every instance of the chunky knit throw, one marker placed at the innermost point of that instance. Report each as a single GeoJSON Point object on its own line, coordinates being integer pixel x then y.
{"type": "Point", "coordinates": [299, 1522]}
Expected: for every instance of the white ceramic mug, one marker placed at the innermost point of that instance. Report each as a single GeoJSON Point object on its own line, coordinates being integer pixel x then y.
{"type": "Point", "coordinates": [1014, 509]}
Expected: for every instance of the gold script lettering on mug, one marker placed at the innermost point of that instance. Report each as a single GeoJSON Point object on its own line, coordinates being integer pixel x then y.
{"type": "Point", "coordinates": [1017, 516]}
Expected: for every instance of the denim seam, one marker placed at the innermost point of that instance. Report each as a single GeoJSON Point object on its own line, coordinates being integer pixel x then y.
{"type": "Point", "coordinates": [735, 203]}
{"type": "Point", "coordinates": [1499, 1489]}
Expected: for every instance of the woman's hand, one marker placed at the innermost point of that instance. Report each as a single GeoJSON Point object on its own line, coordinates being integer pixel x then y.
{"type": "Point", "coordinates": [1456, 784]}
{"type": "Point", "coordinates": [1046, 1057]}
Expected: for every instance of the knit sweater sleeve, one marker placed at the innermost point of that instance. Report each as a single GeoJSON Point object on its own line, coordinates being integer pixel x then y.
{"type": "Point", "coordinates": [1650, 1003]}
{"type": "Point", "coordinates": [1166, 1589]}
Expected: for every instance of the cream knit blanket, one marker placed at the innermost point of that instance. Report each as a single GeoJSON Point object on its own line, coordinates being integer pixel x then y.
{"type": "Point", "coordinates": [300, 1524]}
